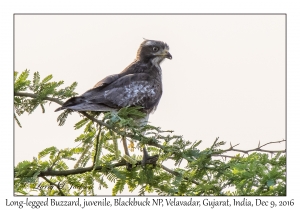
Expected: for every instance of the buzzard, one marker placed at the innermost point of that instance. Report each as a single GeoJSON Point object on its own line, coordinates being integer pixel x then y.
{"type": "Point", "coordinates": [140, 84]}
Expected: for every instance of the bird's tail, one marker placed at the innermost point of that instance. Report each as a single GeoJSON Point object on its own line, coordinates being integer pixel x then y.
{"type": "Point", "coordinates": [80, 104]}
{"type": "Point", "coordinates": [70, 102]}
{"type": "Point", "coordinates": [59, 109]}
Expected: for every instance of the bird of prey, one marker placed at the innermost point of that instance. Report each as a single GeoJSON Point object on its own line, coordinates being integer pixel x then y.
{"type": "Point", "coordinates": [139, 84]}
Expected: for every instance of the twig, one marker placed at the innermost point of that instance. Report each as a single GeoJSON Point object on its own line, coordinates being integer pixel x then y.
{"type": "Point", "coordinates": [258, 149]}
{"type": "Point", "coordinates": [52, 183]}
{"type": "Point", "coordinates": [96, 120]}
{"type": "Point", "coordinates": [121, 133]}
{"type": "Point", "coordinates": [272, 142]}
{"type": "Point", "coordinates": [32, 95]}
{"type": "Point", "coordinates": [224, 156]}
{"type": "Point", "coordinates": [212, 146]}
{"type": "Point", "coordinates": [97, 147]}
{"type": "Point", "coordinates": [56, 159]}
{"type": "Point", "coordinates": [177, 174]}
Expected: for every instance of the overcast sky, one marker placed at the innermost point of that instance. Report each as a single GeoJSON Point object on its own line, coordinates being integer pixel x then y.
{"type": "Point", "coordinates": [226, 78]}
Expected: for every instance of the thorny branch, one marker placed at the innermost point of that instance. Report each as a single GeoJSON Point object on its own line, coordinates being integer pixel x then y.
{"type": "Point", "coordinates": [99, 168]}
{"type": "Point", "coordinates": [52, 183]}
{"type": "Point", "coordinates": [122, 133]}
{"type": "Point", "coordinates": [257, 149]}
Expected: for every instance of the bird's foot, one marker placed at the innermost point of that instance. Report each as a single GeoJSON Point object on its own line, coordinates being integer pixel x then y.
{"type": "Point", "coordinates": [148, 159]}
{"type": "Point", "coordinates": [128, 166]}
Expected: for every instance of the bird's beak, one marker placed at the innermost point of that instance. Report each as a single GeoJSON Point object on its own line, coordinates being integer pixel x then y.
{"type": "Point", "coordinates": [168, 55]}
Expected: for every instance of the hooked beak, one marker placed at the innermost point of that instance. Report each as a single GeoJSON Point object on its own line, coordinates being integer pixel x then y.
{"type": "Point", "coordinates": [167, 55]}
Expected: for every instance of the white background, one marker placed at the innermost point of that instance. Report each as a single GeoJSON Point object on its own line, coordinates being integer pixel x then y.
{"type": "Point", "coordinates": [226, 78]}
{"type": "Point", "coordinates": [234, 6]}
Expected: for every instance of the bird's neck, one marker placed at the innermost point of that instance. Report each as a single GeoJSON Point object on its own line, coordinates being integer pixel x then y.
{"type": "Point", "coordinates": [151, 66]}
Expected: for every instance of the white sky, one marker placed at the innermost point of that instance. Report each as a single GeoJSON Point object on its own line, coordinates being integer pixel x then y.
{"type": "Point", "coordinates": [226, 79]}
{"type": "Point", "coordinates": [170, 70]}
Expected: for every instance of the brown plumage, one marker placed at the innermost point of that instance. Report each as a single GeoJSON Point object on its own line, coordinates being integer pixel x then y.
{"type": "Point", "coordinates": [140, 84]}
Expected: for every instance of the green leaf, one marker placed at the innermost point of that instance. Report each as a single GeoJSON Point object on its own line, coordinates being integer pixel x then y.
{"type": "Point", "coordinates": [81, 123]}
{"type": "Point", "coordinates": [47, 151]}
{"type": "Point", "coordinates": [47, 79]}
{"type": "Point", "coordinates": [129, 159]}
{"type": "Point", "coordinates": [134, 112]}
{"type": "Point", "coordinates": [36, 80]}
{"type": "Point", "coordinates": [21, 83]}
{"type": "Point", "coordinates": [61, 119]}
{"type": "Point", "coordinates": [119, 187]}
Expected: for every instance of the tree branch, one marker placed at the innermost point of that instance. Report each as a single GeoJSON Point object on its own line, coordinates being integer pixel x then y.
{"type": "Point", "coordinates": [99, 168]}
{"type": "Point", "coordinates": [32, 95]}
{"type": "Point", "coordinates": [52, 183]}
{"type": "Point", "coordinates": [257, 149]}
{"type": "Point", "coordinates": [177, 174]}
{"type": "Point", "coordinates": [76, 171]}
{"type": "Point", "coordinates": [50, 172]}
{"type": "Point", "coordinates": [99, 122]}
{"type": "Point", "coordinates": [121, 133]}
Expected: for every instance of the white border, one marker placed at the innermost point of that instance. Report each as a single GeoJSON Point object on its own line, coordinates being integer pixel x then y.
{"type": "Point", "coordinates": [8, 8]}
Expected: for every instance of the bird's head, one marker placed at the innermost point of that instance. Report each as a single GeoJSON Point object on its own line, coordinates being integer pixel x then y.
{"type": "Point", "coordinates": [153, 50]}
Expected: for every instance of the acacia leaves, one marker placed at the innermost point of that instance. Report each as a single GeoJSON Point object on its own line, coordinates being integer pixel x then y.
{"type": "Point", "coordinates": [258, 174]}
{"type": "Point", "coordinates": [40, 89]}
{"type": "Point", "coordinates": [183, 167]}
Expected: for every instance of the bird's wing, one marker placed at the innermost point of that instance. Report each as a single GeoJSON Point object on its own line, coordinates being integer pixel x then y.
{"type": "Point", "coordinates": [134, 67]}
{"type": "Point", "coordinates": [107, 80]}
{"type": "Point", "coordinates": [81, 103]}
{"type": "Point", "coordinates": [129, 90]}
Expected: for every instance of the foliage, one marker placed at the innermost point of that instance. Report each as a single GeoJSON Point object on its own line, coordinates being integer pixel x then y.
{"type": "Point", "coordinates": [41, 89]}
{"type": "Point", "coordinates": [98, 161]}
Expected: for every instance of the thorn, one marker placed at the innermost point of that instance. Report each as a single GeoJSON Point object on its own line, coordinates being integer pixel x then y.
{"type": "Point", "coordinates": [259, 143]}
{"type": "Point", "coordinates": [145, 157]}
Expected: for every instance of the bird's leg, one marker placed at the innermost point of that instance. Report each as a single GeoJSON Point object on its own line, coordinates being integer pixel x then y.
{"type": "Point", "coordinates": [143, 122]}
{"type": "Point", "coordinates": [128, 165]}
{"type": "Point", "coordinates": [145, 157]}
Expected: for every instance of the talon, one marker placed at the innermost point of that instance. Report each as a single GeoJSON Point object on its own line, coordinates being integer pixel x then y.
{"type": "Point", "coordinates": [128, 166]}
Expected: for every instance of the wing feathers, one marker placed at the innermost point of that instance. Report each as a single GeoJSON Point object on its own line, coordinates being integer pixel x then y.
{"type": "Point", "coordinates": [117, 91]}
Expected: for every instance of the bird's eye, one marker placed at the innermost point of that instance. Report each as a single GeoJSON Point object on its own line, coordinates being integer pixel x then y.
{"type": "Point", "coordinates": [155, 49]}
